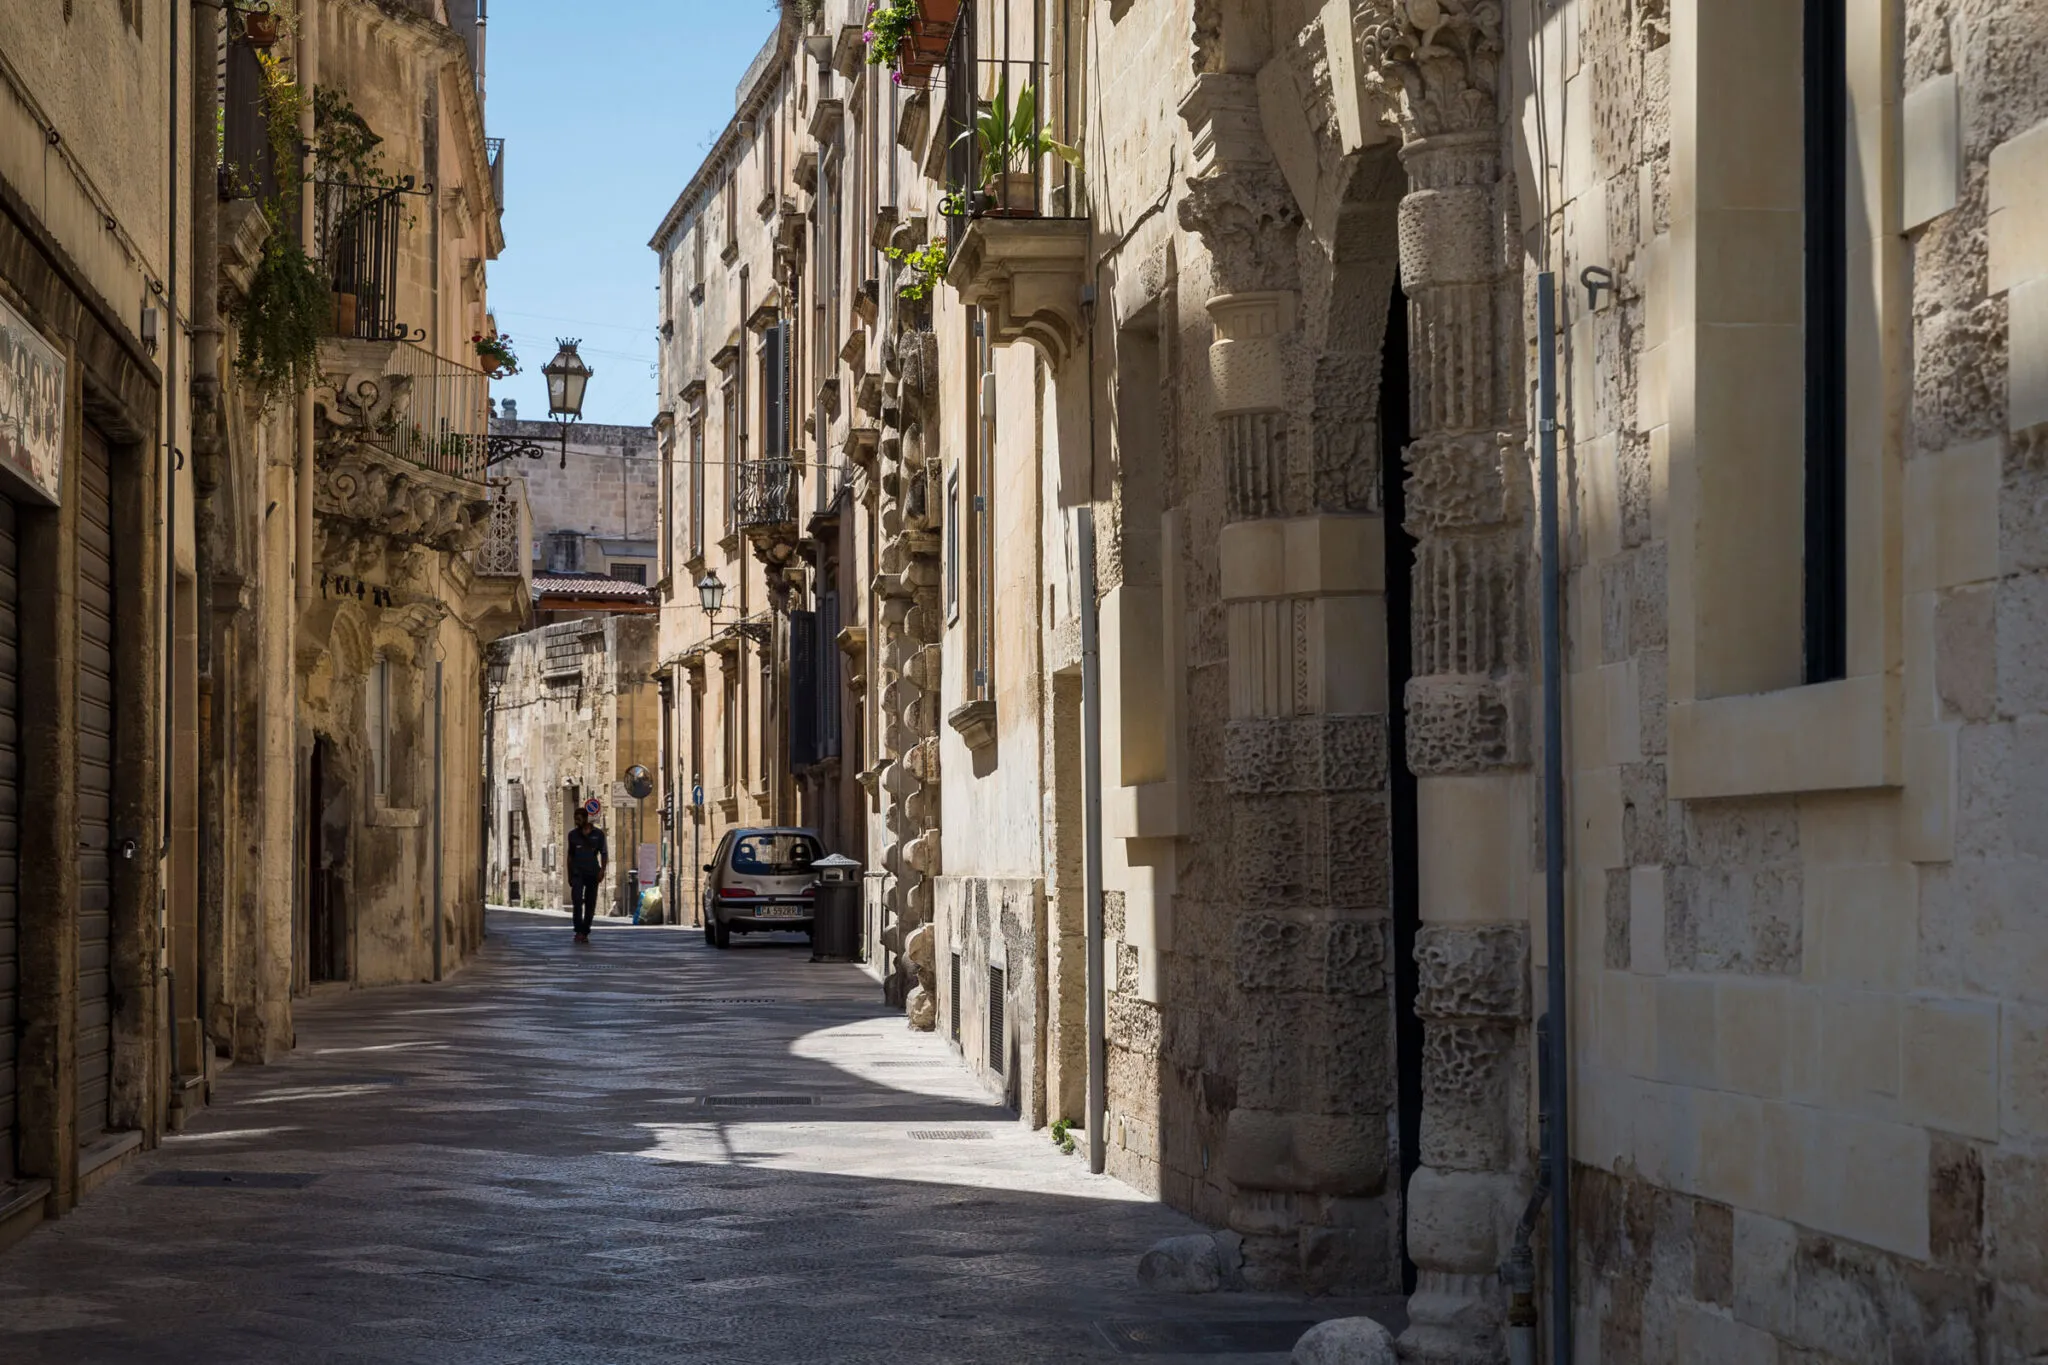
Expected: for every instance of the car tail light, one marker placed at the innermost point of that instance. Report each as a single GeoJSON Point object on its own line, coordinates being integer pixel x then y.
{"type": "Point", "coordinates": [735, 892]}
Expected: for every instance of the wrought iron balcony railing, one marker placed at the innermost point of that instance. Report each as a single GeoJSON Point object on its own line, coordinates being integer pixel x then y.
{"type": "Point", "coordinates": [444, 422]}
{"type": "Point", "coordinates": [764, 494]}
{"type": "Point", "coordinates": [360, 230]}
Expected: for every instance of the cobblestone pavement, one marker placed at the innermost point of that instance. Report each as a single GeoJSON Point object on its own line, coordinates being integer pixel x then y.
{"type": "Point", "coordinates": [593, 1155]}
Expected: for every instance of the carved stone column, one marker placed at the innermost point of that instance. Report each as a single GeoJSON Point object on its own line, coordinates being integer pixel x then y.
{"type": "Point", "coordinates": [1305, 1144]}
{"type": "Point", "coordinates": [1467, 507]}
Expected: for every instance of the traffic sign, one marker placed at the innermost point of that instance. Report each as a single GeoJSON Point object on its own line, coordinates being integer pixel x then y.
{"type": "Point", "coordinates": [593, 807]}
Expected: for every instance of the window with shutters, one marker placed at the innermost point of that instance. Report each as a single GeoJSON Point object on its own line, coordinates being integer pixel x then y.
{"type": "Point", "coordinates": [378, 705]}
{"type": "Point", "coordinates": [697, 476]}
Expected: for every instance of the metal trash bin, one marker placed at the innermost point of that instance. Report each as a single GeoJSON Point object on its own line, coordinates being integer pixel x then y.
{"type": "Point", "coordinates": [835, 923]}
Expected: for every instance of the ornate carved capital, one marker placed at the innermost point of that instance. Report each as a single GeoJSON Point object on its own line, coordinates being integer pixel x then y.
{"type": "Point", "coordinates": [1436, 61]}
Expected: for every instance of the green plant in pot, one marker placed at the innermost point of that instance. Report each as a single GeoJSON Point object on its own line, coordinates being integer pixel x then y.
{"type": "Point", "coordinates": [927, 265]}
{"type": "Point", "coordinates": [1011, 145]}
{"type": "Point", "coordinates": [889, 24]}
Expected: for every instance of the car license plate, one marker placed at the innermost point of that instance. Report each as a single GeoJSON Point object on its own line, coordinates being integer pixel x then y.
{"type": "Point", "coordinates": [777, 912]}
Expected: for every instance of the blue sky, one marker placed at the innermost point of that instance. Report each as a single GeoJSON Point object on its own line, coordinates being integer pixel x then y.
{"type": "Point", "coordinates": [606, 112]}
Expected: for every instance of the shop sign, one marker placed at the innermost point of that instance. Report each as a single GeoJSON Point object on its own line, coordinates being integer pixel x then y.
{"type": "Point", "coordinates": [32, 390]}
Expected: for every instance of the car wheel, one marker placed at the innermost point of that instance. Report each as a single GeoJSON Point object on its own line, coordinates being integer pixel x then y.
{"type": "Point", "coordinates": [707, 929]}
{"type": "Point", "coordinates": [721, 935]}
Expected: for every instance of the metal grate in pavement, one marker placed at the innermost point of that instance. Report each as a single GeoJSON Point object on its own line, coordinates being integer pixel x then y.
{"type": "Point", "coordinates": [233, 1180]}
{"type": "Point", "coordinates": [915, 1061]}
{"type": "Point", "coordinates": [948, 1134]}
{"type": "Point", "coordinates": [1181, 1336]}
{"type": "Point", "coordinates": [756, 1101]}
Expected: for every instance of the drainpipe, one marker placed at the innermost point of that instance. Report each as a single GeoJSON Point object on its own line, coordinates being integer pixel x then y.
{"type": "Point", "coordinates": [439, 928]}
{"type": "Point", "coordinates": [165, 730]}
{"type": "Point", "coordinates": [309, 76]}
{"type": "Point", "coordinates": [1091, 786]}
{"type": "Point", "coordinates": [207, 442]}
{"type": "Point", "coordinates": [1557, 1090]}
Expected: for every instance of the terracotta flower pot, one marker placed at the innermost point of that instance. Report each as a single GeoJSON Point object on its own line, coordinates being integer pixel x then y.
{"type": "Point", "coordinates": [945, 12]}
{"type": "Point", "coordinates": [261, 30]}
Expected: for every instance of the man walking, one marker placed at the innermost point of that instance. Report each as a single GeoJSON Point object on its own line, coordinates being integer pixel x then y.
{"type": "Point", "coordinates": [587, 861]}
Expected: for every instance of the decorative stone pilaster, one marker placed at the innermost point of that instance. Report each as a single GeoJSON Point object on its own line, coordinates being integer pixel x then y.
{"type": "Point", "coordinates": [912, 628]}
{"type": "Point", "coordinates": [1437, 69]}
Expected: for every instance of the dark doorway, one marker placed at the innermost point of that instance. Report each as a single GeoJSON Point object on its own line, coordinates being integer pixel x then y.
{"type": "Point", "coordinates": [1402, 823]}
{"type": "Point", "coordinates": [327, 812]}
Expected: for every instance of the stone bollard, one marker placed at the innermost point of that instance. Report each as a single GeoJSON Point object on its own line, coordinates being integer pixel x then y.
{"type": "Point", "coordinates": [1346, 1341]}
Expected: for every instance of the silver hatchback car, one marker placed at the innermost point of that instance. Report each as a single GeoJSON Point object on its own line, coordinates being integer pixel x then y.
{"type": "Point", "coordinates": [761, 881]}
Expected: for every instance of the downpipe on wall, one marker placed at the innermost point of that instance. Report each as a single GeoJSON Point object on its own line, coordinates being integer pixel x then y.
{"type": "Point", "coordinates": [1553, 1182]}
{"type": "Point", "coordinates": [1091, 784]}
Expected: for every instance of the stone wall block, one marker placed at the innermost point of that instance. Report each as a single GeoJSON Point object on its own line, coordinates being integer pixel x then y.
{"type": "Point", "coordinates": [1306, 1153]}
{"type": "Point", "coordinates": [1466, 724]}
{"type": "Point", "coordinates": [1356, 859]}
{"type": "Point", "coordinates": [1472, 971]}
{"type": "Point", "coordinates": [1464, 1114]}
{"type": "Point", "coordinates": [1355, 958]}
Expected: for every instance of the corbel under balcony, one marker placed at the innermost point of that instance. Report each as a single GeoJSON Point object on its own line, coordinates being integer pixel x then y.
{"type": "Point", "coordinates": [885, 226]}
{"type": "Point", "coordinates": [976, 722]}
{"type": "Point", "coordinates": [850, 52]}
{"type": "Point", "coordinates": [853, 643]}
{"type": "Point", "coordinates": [826, 120]}
{"type": "Point", "coordinates": [767, 313]}
{"type": "Point", "coordinates": [243, 231]}
{"type": "Point", "coordinates": [853, 352]}
{"type": "Point", "coordinates": [1026, 275]}
{"type": "Point", "coordinates": [805, 172]}
{"type": "Point", "coordinates": [861, 442]}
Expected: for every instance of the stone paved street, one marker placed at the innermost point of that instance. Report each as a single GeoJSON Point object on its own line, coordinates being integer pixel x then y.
{"type": "Point", "coordinates": [543, 1160]}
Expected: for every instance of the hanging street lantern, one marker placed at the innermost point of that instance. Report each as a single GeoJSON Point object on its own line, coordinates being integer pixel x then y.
{"type": "Point", "coordinates": [567, 378]}
{"type": "Point", "coordinates": [712, 592]}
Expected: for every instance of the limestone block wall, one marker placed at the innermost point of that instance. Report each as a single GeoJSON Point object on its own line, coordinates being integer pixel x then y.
{"type": "Point", "coordinates": [995, 928]}
{"type": "Point", "coordinates": [1808, 1004]}
{"type": "Point", "coordinates": [611, 487]}
{"type": "Point", "coordinates": [578, 708]}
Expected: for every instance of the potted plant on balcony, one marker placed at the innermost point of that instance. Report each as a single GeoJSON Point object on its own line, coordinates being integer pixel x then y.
{"type": "Point", "coordinates": [1011, 145]}
{"type": "Point", "coordinates": [889, 23]}
{"type": "Point", "coordinates": [495, 352]}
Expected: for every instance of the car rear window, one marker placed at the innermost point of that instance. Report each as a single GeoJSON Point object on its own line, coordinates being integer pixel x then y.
{"type": "Point", "coordinates": [774, 855]}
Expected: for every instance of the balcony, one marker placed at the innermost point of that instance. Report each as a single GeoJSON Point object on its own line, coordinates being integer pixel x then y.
{"type": "Point", "coordinates": [764, 496]}
{"type": "Point", "coordinates": [360, 228]}
{"type": "Point", "coordinates": [403, 451]}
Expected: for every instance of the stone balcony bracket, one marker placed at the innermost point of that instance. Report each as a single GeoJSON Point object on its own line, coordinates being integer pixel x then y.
{"type": "Point", "coordinates": [861, 442]}
{"type": "Point", "coordinates": [826, 118]}
{"type": "Point", "coordinates": [976, 723]}
{"type": "Point", "coordinates": [805, 171]}
{"type": "Point", "coordinates": [1026, 275]}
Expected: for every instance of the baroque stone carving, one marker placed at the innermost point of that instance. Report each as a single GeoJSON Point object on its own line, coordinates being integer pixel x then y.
{"type": "Point", "coordinates": [1437, 62]}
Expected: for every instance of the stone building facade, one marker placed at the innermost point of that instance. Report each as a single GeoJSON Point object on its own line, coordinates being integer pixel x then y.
{"type": "Point", "coordinates": [200, 572]}
{"type": "Point", "coordinates": [596, 507]}
{"type": "Point", "coordinates": [576, 711]}
{"type": "Point", "coordinates": [1280, 352]}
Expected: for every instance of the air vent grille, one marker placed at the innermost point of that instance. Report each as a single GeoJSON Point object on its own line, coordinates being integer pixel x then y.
{"type": "Point", "coordinates": [953, 999]}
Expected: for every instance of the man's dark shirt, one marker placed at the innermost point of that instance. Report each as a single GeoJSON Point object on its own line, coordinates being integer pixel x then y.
{"type": "Point", "coordinates": [586, 853]}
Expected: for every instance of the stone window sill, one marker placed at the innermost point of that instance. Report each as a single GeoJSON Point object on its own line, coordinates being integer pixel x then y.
{"type": "Point", "coordinates": [1837, 736]}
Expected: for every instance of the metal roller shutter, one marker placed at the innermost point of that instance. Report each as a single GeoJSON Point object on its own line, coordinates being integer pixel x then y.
{"type": "Point", "coordinates": [95, 781]}
{"type": "Point", "coordinates": [10, 837]}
